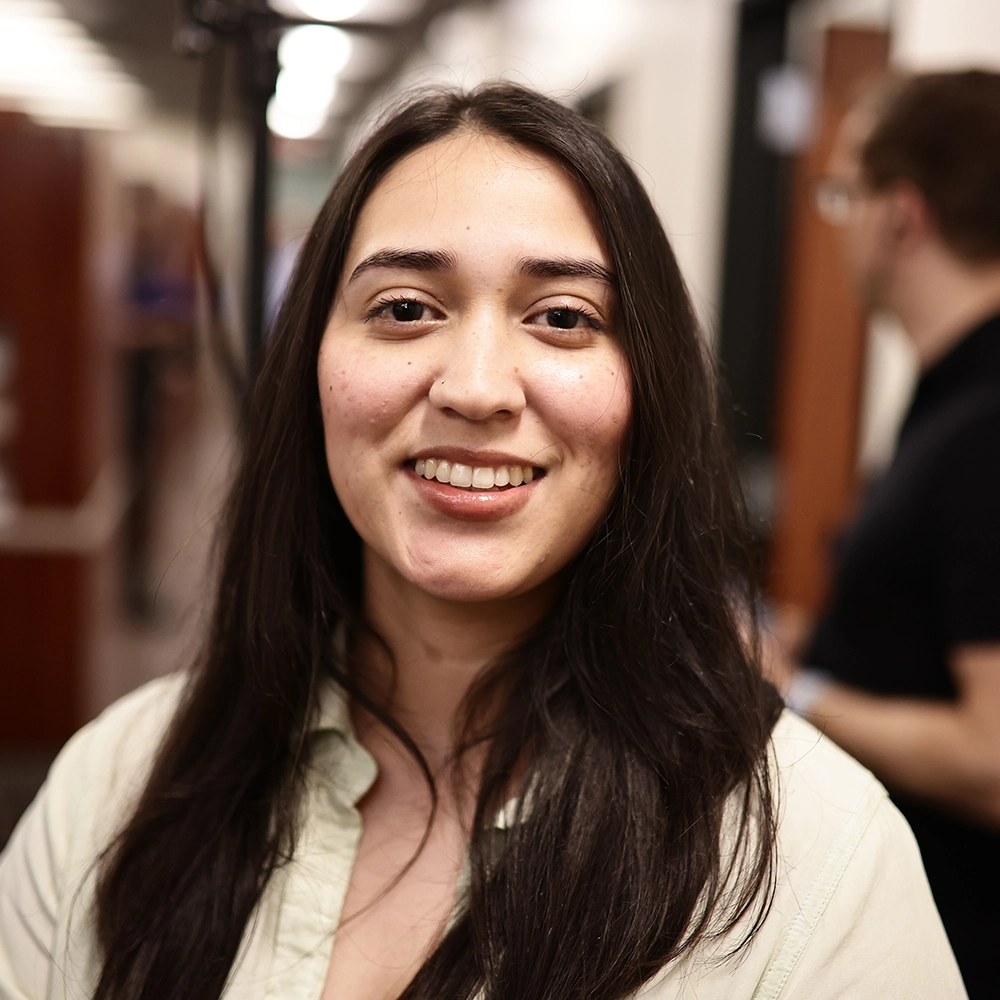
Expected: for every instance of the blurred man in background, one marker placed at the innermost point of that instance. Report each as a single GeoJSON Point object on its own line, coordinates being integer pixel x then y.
{"type": "Point", "coordinates": [903, 669]}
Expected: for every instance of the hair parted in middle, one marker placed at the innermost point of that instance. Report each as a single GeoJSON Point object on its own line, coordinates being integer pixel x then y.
{"type": "Point", "coordinates": [635, 713]}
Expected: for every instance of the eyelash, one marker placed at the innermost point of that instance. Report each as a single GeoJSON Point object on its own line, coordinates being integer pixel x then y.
{"type": "Point", "coordinates": [391, 300]}
{"type": "Point", "coordinates": [587, 315]}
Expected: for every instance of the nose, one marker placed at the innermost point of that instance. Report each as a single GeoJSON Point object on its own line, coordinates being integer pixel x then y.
{"type": "Point", "coordinates": [480, 376]}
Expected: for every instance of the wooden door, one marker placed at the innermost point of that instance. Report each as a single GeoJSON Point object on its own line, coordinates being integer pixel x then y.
{"type": "Point", "coordinates": [50, 311]}
{"type": "Point", "coordinates": [822, 352]}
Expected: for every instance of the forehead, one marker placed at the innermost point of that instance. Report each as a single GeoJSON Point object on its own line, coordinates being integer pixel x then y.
{"type": "Point", "coordinates": [468, 188]}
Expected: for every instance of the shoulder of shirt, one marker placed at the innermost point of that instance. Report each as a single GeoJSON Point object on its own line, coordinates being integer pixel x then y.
{"type": "Point", "coordinates": [134, 724]}
{"type": "Point", "coordinates": [103, 767]}
{"type": "Point", "coordinates": [974, 439]}
{"type": "Point", "coordinates": [969, 421]}
{"type": "Point", "coordinates": [837, 836]}
{"type": "Point", "coordinates": [809, 765]}
{"type": "Point", "coordinates": [827, 805]}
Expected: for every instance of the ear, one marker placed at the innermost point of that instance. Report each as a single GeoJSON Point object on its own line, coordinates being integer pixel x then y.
{"type": "Point", "coordinates": [909, 222]}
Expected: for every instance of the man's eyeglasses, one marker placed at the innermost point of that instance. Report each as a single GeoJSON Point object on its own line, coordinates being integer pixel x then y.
{"type": "Point", "coordinates": [834, 199]}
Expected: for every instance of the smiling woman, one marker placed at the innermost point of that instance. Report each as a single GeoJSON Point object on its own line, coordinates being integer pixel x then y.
{"type": "Point", "coordinates": [476, 330]}
{"type": "Point", "coordinates": [480, 714]}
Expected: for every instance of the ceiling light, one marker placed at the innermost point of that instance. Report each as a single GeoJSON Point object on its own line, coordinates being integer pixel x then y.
{"type": "Point", "coordinates": [320, 10]}
{"type": "Point", "coordinates": [318, 48]}
{"type": "Point", "coordinates": [293, 123]}
{"type": "Point", "coordinates": [304, 91]}
{"type": "Point", "coordinates": [331, 10]}
{"type": "Point", "coordinates": [54, 71]}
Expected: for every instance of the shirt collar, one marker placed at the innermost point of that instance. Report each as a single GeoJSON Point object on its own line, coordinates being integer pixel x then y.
{"type": "Point", "coordinates": [334, 713]}
{"type": "Point", "coordinates": [974, 361]}
{"type": "Point", "coordinates": [361, 770]}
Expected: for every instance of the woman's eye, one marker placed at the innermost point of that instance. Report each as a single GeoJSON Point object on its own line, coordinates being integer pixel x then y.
{"type": "Point", "coordinates": [407, 310]}
{"type": "Point", "coordinates": [401, 311]}
{"type": "Point", "coordinates": [563, 318]}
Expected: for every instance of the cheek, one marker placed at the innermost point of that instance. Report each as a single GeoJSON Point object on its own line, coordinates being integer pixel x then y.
{"type": "Point", "coordinates": [588, 406]}
{"type": "Point", "coordinates": [363, 393]}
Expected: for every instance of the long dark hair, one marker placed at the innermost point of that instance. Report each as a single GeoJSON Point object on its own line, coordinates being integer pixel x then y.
{"type": "Point", "coordinates": [635, 713]}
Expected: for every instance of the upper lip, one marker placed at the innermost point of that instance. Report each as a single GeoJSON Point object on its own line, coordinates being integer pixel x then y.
{"type": "Point", "coordinates": [477, 459]}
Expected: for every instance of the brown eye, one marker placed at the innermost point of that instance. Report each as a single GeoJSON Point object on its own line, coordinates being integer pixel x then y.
{"type": "Point", "coordinates": [407, 311]}
{"type": "Point", "coordinates": [563, 319]}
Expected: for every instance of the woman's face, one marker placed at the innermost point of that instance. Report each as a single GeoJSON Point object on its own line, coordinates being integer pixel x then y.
{"type": "Point", "coordinates": [470, 349]}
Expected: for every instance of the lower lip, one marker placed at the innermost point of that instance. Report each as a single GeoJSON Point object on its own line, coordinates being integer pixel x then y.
{"type": "Point", "coordinates": [473, 505]}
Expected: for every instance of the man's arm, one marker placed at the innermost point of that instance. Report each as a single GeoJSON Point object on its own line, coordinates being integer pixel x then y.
{"type": "Point", "coordinates": [941, 751]}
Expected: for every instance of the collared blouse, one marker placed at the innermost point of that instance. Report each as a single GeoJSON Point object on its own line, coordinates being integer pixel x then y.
{"type": "Point", "coordinates": [852, 915]}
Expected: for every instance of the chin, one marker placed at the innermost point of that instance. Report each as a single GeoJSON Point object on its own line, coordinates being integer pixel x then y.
{"type": "Point", "coordinates": [467, 587]}
{"type": "Point", "coordinates": [469, 580]}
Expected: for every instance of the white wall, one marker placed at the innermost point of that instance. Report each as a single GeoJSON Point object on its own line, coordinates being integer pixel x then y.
{"type": "Point", "coordinates": [671, 117]}
{"type": "Point", "coordinates": [946, 34]}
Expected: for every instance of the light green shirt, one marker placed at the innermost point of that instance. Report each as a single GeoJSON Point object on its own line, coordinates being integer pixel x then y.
{"type": "Point", "coordinates": [852, 917]}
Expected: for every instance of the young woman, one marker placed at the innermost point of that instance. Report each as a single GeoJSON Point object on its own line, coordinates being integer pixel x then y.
{"type": "Point", "coordinates": [476, 717]}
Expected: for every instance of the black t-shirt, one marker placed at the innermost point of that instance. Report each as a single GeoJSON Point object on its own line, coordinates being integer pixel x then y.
{"type": "Point", "coordinates": [919, 573]}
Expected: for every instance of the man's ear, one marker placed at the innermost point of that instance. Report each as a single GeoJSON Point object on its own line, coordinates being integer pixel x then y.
{"type": "Point", "coordinates": [909, 220]}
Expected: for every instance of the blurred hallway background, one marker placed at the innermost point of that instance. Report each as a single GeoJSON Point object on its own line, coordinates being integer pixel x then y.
{"type": "Point", "coordinates": [127, 263]}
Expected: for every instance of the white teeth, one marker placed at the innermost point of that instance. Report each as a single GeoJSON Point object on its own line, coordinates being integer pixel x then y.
{"type": "Point", "coordinates": [478, 478]}
{"type": "Point", "coordinates": [483, 479]}
{"type": "Point", "coordinates": [461, 475]}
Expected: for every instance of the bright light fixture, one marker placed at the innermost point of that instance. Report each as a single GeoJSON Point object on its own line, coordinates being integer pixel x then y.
{"type": "Point", "coordinates": [316, 48]}
{"type": "Point", "coordinates": [305, 92]}
{"type": "Point", "coordinates": [57, 73]}
{"type": "Point", "coordinates": [293, 123]}
{"type": "Point", "coordinates": [331, 10]}
{"type": "Point", "coordinates": [311, 56]}
{"type": "Point", "coordinates": [320, 10]}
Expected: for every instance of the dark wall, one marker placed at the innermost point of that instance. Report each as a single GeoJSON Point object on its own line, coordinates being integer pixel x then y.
{"type": "Point", "coordinates": [756, 218]}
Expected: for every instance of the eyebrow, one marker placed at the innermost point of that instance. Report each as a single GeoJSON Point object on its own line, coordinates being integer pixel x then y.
{"type": "Point", "coordinates": [565, 267]}
{"type": "Point", "coordinates": [444, 260]}
{"type": "Point", "coordinates": [406, 260]}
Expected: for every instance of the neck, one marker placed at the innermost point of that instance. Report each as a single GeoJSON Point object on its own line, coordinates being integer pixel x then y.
{"type": "Point", "coordinates": [939, 298]}
{"type": "Point", "coordinates": [438, 648]}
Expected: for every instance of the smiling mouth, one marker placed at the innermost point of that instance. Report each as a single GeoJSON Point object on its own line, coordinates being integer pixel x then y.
{"type": "Point", "coordinates": [481, 478]}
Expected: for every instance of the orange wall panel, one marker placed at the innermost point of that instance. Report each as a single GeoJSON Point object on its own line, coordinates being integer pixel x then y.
{"type": "Point", "coordinates": [822, 355]}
